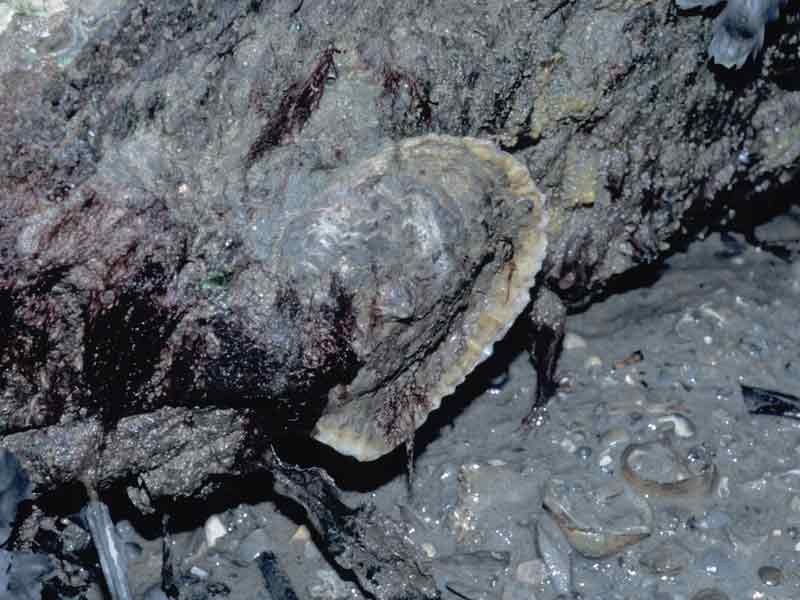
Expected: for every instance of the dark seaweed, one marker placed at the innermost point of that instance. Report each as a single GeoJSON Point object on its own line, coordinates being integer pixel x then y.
{"type": "Point", "coordinates": [417, 113]}
{"type": "Point", "coordinates": [123, 345]}
{"type": "Point", "coordinates": [275, 577]}
{"type": "Point", "coordinates": [298, 102]}
{"type": "Point", "coordinates": [372, 546]}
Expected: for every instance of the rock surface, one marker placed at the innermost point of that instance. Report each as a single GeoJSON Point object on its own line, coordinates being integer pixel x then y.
{"type": "Point", "coordinates": [142, 146]}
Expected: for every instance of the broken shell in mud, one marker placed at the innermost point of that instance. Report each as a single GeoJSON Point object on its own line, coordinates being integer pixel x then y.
{"type": "Point", "coordinates": [680, 424]}
{"type": "Point", "coordinates": [668, 558]}
{"type": "Point", "coordinates": [598, 520]}
{"type": "Point", "coordinates": [438, 239]}
{"type": "Point", "coordinates": [670, 474]}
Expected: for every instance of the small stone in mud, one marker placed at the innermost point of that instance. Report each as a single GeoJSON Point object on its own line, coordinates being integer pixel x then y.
{"type": "Point", "coordinates": [668, 558]}
{"type": "Point", "coordinates": [614, 437]}
{"type": "Point", "coordinates": [770, 575]}
{"type": "Point", "coordinates": [533, 572]}
{"type": "Point", "coordinates": [302, 534]}
{"type": "Point", "coordinates": [215, 530]}
{"type": "Point", "coordinates": [632, 359]}
{"type": "Point", "coordinates": [698, 454]}
{"type": "Point", "coordinates": [593, 364]}
{"type": "Point", "coordinates": [572, 341]}
{"type": "Point", "coordinates": [682, 426]}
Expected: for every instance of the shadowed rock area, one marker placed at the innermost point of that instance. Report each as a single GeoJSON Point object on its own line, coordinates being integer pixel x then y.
{"type": "Point", "coordinates": [147, 152]}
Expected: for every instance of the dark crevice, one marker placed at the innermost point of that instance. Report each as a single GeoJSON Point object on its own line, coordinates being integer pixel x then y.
{"type": "Point", "coordinates": [123, 346]}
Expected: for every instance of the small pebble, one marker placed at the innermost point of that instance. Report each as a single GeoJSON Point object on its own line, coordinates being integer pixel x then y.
{"type": "Point", "coordinates": [605, 460]}
{"type": "Point", "coordinates": [568, 445]}
{"type": "Point", "coordinates": [684, 427]}
{"type": "Point", "coordinates": [593, 364]}
{"type": "Point", "coordinates": [771, 576]}
{"type": "Point", "coordinates": [572, 341]}
{"type": "Point", "coordinates": [583, 452]}
{"type": "Point", "coordinates": [723, 488]}
{"type": "Point", "coordinates": [533, 572]}
{"type": "Point", "coordinates": [302, 534]}
{"type": "Point", "coordinates": [198, 572]}
{"type": "Point", "coordinates": [668, 558]}
{"type": "Point", "coordinates": [698, 454]}
{"type": "Point", "coordinates": [614, 437]}
{"type": "Point", "coordinates": [215, 530]}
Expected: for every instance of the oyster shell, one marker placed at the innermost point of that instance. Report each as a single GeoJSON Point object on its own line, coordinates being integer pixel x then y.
{"type": "Point", "coordinates": [437, 241]}
{"type": "Point", "coordinates": [598, 519]}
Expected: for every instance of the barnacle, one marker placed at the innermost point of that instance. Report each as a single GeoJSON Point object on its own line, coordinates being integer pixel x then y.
{"type": "Point", "coordinates": [738, 31]}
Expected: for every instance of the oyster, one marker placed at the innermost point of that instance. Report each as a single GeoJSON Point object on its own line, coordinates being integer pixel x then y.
{"type": "Point", "coordinates": [436, 242]}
